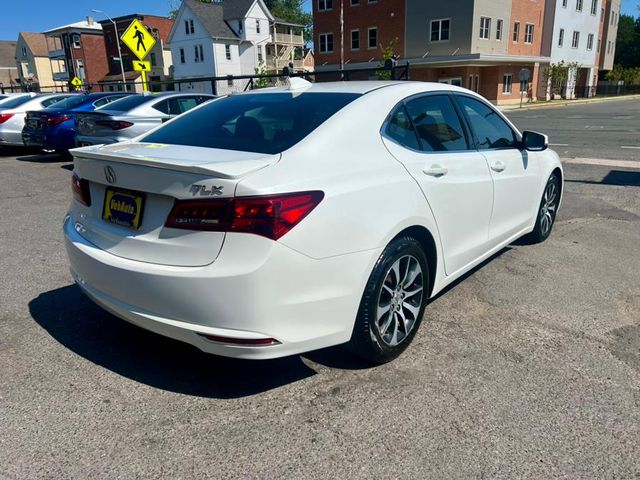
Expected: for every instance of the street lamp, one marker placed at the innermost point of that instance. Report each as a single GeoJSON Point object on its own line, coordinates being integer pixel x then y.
{"type": "Point", "coordinates": [115, 29]}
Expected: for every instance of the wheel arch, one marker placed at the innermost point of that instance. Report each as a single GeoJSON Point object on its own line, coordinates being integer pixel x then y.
{"type": "Point", "coordinates": [428, 243]}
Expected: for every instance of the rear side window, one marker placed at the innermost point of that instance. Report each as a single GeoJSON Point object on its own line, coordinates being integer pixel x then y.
{"type": "Point", "coordinates": [70, 102]}
{"type": "Point", "coordinates": [491, 130]}
{"type": "Point", "coordinates": [124, 104]}
{"type": "Point", "coordinates": [50, 101]}
{"type": "Point", "coordinates": [176, 105]}
{"type": "Point", "coordinates": [105, 101]}
{"type": "Point", "coordinates": [400, 130]}
{"type": "Point", "coordinates": [264, 122]}
{"type": "Point", "coordinates": [437, 124]}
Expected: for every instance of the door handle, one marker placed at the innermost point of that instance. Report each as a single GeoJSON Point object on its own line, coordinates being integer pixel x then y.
{"type": "Point", "coordinates": [498, 166]}
{"type": "Point", "coordinates": [436, 171]}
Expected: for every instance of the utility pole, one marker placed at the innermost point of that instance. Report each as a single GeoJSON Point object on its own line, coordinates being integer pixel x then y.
{"type": "Point", "coordinates": [115, 30]}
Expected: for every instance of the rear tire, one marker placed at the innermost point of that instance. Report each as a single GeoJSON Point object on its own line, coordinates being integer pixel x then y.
{"type": "Point", "coordinates": [546, 211]}
{"type": "Point", "coordinates": [393, 302]}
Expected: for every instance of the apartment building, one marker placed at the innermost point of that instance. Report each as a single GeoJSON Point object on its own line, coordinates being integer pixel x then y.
{"type": "Point", "coordinates": [77, 50]}
{"type": "Point", "coordinates": [8, 70]}
{"type": "Point", "coordinates": [160, 55]}
{"type": "Point", "coordinates": [610, 13]}
{"type": "Point", "coordinates": [479, 44]}
{"type": "Point", "coordinates": [571, 36]}
{"type": "Point", "coordinates": [34, 67]}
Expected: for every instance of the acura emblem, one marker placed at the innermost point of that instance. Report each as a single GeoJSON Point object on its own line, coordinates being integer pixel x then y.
{"type": "Point", "coordinates": [110, 174]}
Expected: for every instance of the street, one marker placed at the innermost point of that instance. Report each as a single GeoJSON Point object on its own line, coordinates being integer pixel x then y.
{"type": "Point", "coordinates": [528, 367]}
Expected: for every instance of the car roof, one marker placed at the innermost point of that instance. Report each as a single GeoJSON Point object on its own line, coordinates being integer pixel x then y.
{"type": "Point", "coordinates": [358, 86]}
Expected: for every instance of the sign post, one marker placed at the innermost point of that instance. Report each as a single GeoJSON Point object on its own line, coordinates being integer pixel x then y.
{"type": "Point", "coordinates": [140, 42]}
{"type": "Point", "coordinates": [525, 76]}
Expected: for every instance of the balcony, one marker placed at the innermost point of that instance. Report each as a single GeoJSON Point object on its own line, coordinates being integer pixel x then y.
{"type": "Point", "coordinates": [289, 38]}
{"type": "Point", "coordinates": [277, 64]}
{"type": "Point", "coordinates": [61, 76]}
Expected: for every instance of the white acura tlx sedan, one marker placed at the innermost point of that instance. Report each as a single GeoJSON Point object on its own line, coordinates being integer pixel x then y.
{"type": "Point", "coordinates": [290, 219]}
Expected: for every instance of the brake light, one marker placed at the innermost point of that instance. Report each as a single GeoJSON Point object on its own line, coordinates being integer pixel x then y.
{"type": "Point", "coordinates": [5, 116]}
{"type": "Point", "coordinates": [271, 216]}
{"type": "Point", "coordinates": [53, 121]}
{"type": "Point", "coordinates": [80, 188]}
{"type": "Point", "coordinates": [242, 341]}
{"type": "Point", "coordinates": [113, 124]}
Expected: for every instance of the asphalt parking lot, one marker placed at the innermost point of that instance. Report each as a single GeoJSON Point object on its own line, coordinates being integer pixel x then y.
{"type": "Point", "coordinates": [529, 367]}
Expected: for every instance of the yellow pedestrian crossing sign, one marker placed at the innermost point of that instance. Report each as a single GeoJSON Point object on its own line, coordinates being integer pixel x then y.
{"type": "Point", "coordinates": [76, 82]}
{"type": "Point", "coordinates": [142, 66]}
{"type": "Point", "coordinates": [138, 39]}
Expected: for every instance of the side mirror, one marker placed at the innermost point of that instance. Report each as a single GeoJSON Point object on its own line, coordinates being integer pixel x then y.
{"type": "Point", "coordinates": [534, 141]}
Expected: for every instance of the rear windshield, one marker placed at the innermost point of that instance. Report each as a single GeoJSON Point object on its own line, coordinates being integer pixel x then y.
{"type": "Point", "coordinates": [125, 104]}
{"type": "Point", "coordinates": [15, 102]}
{"type": "Point", "coordinates": [263, 123]}
{"type": "Point", "coordinates": [70, 102]}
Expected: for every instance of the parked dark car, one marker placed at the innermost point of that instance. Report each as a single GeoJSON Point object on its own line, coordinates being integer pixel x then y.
{"type": "Point", "coordinates": [53, 128]}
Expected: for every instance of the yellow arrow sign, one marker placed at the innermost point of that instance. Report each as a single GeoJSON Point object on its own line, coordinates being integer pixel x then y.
{"type": "Point", "coordinates": [76, 82]}
{"type": "Point", "coordinates": [142, 66]}
{"type": "Point", "coordinates": [138, 39]}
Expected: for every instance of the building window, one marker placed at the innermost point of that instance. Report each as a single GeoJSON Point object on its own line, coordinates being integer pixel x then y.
{"type": "Point", "coordinates": [76, 40]}
{"type": "Point", "coordinates": [576, 40]}
{"type": "Point", "coordinates": [80, 68]}
{"type": "Point", "coordinates": [355, 3]}
{"type": "Point", "coordinates": [507, 83]}
{"type": "Point", "coordinates": [564, 3]}
{"type": "Point", "coordinates": [227, 51]}
{"type": "Point", "coordinates": [516, 32]}
{"type": "Point", "coordinates": [191, 26]}
{"type": "Point", "coordinates": [260, 56]}
{"type": "Point", "coordinates": [561, 38]}
{"type": "Point", "coordinates": [372, 1]}
{"type": "Point", "coordinates": [476, 86]}
{"type": "Point", "coordinates": [326, 42]}
{"type": "Point", "coordinates": [579, 5]}
{"type": "Point", "coordinates": [485, 27]}
{"type": "Point", "coordinates": [257, 25]}
{"type": "Point", "coordinates": [594, 7]}
{"type": "Point", "coordinates": [199, 53]}
{"type": "Point", "coordinates": [373, 38]}
{"type": "Point", "coordinates": [229, 81]}
{"type": "Point", "coordinates": [590, 41]}
{"type": "Point", "coordinates": [499, 28]}
{"type": "Point", "coordinates": [528, 33]}
{"type": "Point", "coordinates": [609, 47]}
{"type": "Point", "coordinates": [186, 27]}
{"type": "Point", "coordinates": [440, 30]}
{"type": "Point", "coordinates": [182, 55]}
{"type": "Point", "coordinates": [325, 5]}
{"type": "Point", "coordinates": [355, 39]}
{"type": "Point", "coordinates": [153, 59]}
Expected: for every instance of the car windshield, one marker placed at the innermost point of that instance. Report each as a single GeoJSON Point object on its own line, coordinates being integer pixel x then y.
{"type": "Point", "coordinates": [263, 123]}
{"type": "Point", "coordinates": [125, 104]}
{"type": "Point", "coordinates": [70, 102]}
{"type": "Point", "coordinates": [15, 102]}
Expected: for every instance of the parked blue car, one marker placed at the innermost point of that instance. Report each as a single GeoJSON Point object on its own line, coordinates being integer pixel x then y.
{"type": "Point", "coordinates": [53, 128]}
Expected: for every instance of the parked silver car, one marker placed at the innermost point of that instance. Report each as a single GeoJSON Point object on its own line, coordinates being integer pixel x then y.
{"type": "Point", "coordinates": [14, 110]}
{"type": "Point", "coordinates": [129, 117]}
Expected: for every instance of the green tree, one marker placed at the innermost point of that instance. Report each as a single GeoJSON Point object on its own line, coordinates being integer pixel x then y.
{"type": "Point", "coordinates": [292, 11]}
{"type": "Point", "coordinates": [628, 42]}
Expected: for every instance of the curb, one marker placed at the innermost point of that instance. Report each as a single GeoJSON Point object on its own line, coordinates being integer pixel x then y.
{"type": "Point", "coordinates": [565, 103]}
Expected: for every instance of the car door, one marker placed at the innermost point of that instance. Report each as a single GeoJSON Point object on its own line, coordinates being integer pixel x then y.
{"type": "Point", "coordinates": [514, 171]}
{"type": "Point", "coordinates": [426, 134]}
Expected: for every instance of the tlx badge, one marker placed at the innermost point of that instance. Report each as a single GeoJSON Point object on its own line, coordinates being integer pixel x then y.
{"type": "Point", "coordinates": [203, 192]}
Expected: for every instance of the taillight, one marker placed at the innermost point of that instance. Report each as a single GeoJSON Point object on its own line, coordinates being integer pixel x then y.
{"type": "Point", "coordinates": [242, 341]}
{"type": "Point", "coordinates": [80, 188]}
{"type": "Point", "coordinates": [113, 124]}
{"type": "Point", "coordinates": [5, 116]}
{"type": "Point", "coordinates": [271, 216]}
{"type": "Point", "coordinates": [53, 121]}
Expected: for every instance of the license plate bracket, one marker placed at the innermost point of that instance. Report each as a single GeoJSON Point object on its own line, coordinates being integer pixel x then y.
{"type": "Point", "coordinates": [123, 207]}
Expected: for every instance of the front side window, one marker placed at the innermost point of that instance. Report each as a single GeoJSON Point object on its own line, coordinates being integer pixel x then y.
{"type": "Point", "coordinates": [440, 30]}
{"type": "Point", "coordinates": [528, 33]}
{"type": "Point", "coordinates": [326, 42]}
{"type": "Point", "coordinates": [491, 131]}
{"type": "Point", "coordinates": [255, 122]}
{"type": "Point", "coordinates": [437, 124]}
{"type": "Point", "coordinates": [485, 27]}
{"type": "Point", "coordinates": [373, 37]}
{"type": "Point", "coordinates": [400, 130]}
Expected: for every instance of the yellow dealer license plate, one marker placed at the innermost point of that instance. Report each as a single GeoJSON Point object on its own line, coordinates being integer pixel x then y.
{"type": "Point", "coordinates": [123, 207]}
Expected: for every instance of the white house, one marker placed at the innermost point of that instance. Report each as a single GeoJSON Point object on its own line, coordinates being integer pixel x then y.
{"type": "Point", "coordinates": [218, 39]}
{"type": "Point", "coordinates": [574, 39]}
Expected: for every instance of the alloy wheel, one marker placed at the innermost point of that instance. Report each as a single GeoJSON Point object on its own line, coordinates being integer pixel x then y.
{"type": "Point", "coordinates": [548, 209]}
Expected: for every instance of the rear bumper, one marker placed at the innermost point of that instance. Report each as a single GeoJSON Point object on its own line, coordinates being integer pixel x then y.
{"type": "Point", "coordinates": [255, 289]}
{"type": "Point", "coordinates": [52, 138]}
{"type": "Point", "coordinates": [11, 138]}
{"type": "Point", "coordinates": [87, 140]}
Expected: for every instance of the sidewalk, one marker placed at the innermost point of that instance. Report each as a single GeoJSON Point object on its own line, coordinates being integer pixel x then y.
{"type": "Point", "coordinates": [564, 103]}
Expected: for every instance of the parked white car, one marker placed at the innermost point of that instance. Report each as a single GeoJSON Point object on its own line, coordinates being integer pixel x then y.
{"type": "Point", "coordinates": [14, 111]}
{"type": "Point", "coordinates": [291, 219]}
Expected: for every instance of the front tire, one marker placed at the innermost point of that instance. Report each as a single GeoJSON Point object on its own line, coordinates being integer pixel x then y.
{"type": "Point", "coordinates": [393, 302]}
{"type": "Point", "coordinates": [546, 211]}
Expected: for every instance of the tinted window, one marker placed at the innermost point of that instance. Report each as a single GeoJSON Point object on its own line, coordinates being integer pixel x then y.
{"type": "Point", "coordinates": [265, 122]}
{"type": "Point", "coordinates": [15, 102]}
{"type": "Point", "coordinates": [162, 106]}
{"type": "Point", "coordinates": [437, 123]}
{"type": "Point", "coordinates": [399, 128]}
{"type": "Point", "coordinates": [490, 129]}
{"type": "Point", "coordinates": [106, 100]}
{"type": "Point", "coordinates": [69, 102]}
{"type": "Point", "coordinates": [125, 104]}
{"type": "Point", "coordinates": [50, 101]}
{"type": "Point", "coordinates": [176, 105]}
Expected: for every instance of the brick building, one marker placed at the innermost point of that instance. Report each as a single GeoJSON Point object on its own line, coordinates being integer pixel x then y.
{"type": "Point", "coordinates": [77, 50]}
